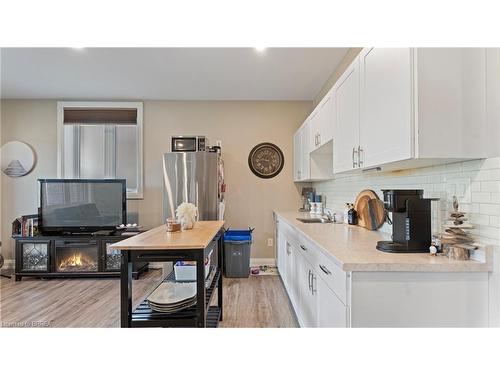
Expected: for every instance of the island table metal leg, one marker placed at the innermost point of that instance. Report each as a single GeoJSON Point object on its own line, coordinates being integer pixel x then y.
{"type": "Point", "coordinates": [126, 290]}
{"type": "Point", "coordinates": [200, 289]}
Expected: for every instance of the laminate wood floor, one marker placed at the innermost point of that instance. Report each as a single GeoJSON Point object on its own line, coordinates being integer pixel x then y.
{"type": "Point", "coordinates": [259, 301]}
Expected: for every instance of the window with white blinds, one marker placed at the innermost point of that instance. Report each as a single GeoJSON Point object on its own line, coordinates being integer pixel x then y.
{"type": "Point", "coordinates": [101, 140]}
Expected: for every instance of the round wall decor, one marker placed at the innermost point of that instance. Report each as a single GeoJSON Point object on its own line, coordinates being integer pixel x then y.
{"type": "Point", "coordinates": [266, 160]}
{"type": "Point", "coordinates": [18, 159]}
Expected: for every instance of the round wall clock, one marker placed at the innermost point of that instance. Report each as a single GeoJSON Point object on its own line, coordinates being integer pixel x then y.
{"type": "Point", "coordinates": [18, 159]}
{"type": "Point", "coordinates": [266, 160]}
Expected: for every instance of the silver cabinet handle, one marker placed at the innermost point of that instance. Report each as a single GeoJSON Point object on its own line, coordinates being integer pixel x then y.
{"type": "Point", "coordinates": [309, 280]}
{"type": "Point", "coordinates": [324, 269]}
{"type": "Point", "coordinates": [313, 291]}
{"type": "Point", "coordinates": [360, 162]}
{"type": "Point", "coordinates": [319, 139]}
{"type": "Point", "coordinates": [354, 152]}
{"type": "Point", "coordinates": [303, 247]}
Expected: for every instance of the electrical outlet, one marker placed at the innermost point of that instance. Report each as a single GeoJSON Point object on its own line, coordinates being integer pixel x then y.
{"type": "Point", "coordinates": [270, 242]}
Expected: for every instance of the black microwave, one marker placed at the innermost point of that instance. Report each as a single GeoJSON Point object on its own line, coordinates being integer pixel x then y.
{"type": "Point", "coordinates": [183, 143]}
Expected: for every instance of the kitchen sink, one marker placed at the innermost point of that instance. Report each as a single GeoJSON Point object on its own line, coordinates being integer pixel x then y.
{"type": "Point", "coordinates": [316, 220]}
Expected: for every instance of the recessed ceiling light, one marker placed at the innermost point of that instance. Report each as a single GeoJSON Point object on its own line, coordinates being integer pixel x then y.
{"type": "Point", "coordinates": [260, 49]}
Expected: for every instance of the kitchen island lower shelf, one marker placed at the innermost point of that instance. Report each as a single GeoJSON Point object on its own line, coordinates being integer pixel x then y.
{"type": "Point", "coordinates": [144, 316]}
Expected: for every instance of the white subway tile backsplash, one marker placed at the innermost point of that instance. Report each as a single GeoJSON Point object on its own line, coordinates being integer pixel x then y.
{"type": "Point", "coordinates": [481, 197]}
{"type": "Point", "coordinates": [489, 209]}
{"type": "Point", "coordinates": [491, 186]}
{"type": "Point", "coordinates": [494, 221]}
{"type": "Point", "coordinates": [495, 198]}
{"type": "Point", "coordinates": [476, 186]}
{"type": "Point", "coordinates": [476, 183]}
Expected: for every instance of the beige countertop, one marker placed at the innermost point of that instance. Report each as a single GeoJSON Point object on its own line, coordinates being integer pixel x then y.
{"type": "Point", "coordinates": [159, 239]}
{"type": "Point", "coordinates": [354, 249]}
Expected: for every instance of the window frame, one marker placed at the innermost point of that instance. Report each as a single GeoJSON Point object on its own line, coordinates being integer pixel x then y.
{"type": "Point", "coordinates": [139, 194]}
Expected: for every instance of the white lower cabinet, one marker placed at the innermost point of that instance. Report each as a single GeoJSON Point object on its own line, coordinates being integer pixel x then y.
{"type": "Point", "coordinates": [281, 251]}
{"type": "Point", "coordinates": [289, 265]}
{"type": "Point", "coordinates": [324, 295]}
{"type": "Point", "coordinates": [302, 269]}
{"type": "Point", "coordinates": [331, 312]}
{"type": "Point", "coordinates": [307, 310]}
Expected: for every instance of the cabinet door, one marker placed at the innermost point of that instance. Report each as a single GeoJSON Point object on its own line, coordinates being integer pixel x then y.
{"type": "Point", "coordinates": [289, 266]}
{"type": "Point", "coordinates": [493, 100]}
{"type": "Point", "coordinates": [297, 157]}
{"type": "Point", "coordinates": [111, 258]}
{"type": "Point", "coordinates": [307, 302]}
{"type": "Point", "coordinates": [452, 86]}
{"type": "Point", "coordinates": [325, 119]}
{"type": "Point", "coordinates": [305, 151]}
{"type": "Point", "coordinates": [314, 130]}
{"type": "Point", "coordinates": [331, 311]}
{"type": "Point", "coordinates": [281, 251]}
{"type": "Point", "coordinates": [33, 256]}
{"type": "Point", "coordinates": [346, 135]}
{"type": "Point", "coordinates": [386, 100]}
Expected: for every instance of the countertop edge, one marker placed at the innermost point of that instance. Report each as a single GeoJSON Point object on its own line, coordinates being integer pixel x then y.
{"type": "Point", "coordinates": [472, 267]}
{"type": "Point", "coordinates": [198, 246]}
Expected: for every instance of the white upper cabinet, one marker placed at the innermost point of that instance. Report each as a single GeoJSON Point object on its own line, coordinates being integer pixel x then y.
{"type": "Point", "coordinates": [322, 122]}
{"type": "Point", "coordinates": [310, 166]}
{"type": "Point", "coordinates": [398, 108]}
{"type": "Point", "coordinates": [386, 122]}
{"type": "Point", "coordinates": [450, 106]}
{"type": "Point", "coordinates": [493, 99]}
{"type": "Point", "coordinates": [306, 150]}
{"type": "Point", "coordinates": [297, 155]}
{"type": "Point", "coordinates": [301, 150]}
{"type": "Point", "coordinates": [346, 131]}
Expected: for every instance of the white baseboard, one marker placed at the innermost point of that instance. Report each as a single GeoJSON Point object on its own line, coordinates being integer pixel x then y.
{"type": "Point", "coordinates": [9, 264]}
{"type": "Point", "coordinates": [255, 262]}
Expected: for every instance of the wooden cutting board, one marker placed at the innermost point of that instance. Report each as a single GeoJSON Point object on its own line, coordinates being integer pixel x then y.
{"type": "Point", "coordinates": [370, 209]}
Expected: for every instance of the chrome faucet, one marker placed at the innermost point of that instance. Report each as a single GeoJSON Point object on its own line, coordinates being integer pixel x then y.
{"type": "Point", "coordinates": [330, 215]}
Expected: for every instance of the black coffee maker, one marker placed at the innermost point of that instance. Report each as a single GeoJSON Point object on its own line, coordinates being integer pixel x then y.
{"type": "Point", "coordinates": [411, 222]}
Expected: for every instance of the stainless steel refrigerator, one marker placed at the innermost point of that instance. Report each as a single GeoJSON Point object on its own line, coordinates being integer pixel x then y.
{"type": "Point", "coordinates": [191, 177]}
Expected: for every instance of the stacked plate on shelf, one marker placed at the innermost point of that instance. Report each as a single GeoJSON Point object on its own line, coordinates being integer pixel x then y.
{"type": "Point", "coordinates": [171, 296]}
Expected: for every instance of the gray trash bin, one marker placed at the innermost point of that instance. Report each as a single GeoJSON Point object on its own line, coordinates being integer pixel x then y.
{"type": "Point", "coordinates": [237, 246]}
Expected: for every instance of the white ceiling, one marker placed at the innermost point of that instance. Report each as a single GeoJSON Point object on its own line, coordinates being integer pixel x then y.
{"type": "Point", "coordinates": [166, 73]}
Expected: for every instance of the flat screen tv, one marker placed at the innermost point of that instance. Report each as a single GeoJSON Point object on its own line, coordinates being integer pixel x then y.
{"type": "Point", "coordinates": [82, 205]}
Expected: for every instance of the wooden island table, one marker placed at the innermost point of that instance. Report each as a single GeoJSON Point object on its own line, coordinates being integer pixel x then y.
{"type": "Point", "coordinates": [157, 245]}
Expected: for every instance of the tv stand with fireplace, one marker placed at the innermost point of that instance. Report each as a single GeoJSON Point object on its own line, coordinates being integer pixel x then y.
{"type": "Point", "coordinates": [70, 255]}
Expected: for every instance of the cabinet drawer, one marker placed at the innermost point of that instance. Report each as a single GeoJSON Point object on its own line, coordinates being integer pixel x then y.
{"type": "Point", "coordinates": [307, 249]}
{"type": "Point", "coordinates": [300, 242]}
{"type": "Point", "coordinates": [292, 235]}
{"type": "Point", "coordinates": [334, 277]}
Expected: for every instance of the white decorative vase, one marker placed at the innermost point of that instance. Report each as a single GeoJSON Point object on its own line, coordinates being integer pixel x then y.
{"type": "Point", "coordinates": [187, 223]}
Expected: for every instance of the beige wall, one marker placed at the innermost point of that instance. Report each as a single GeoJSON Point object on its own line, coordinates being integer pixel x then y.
{"type": "Point", "coordinates": [339, 70]}
{"type": "Point", "coordinates": [33, 122]}
{"type": "Point", "coordinates": [239, 125]}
